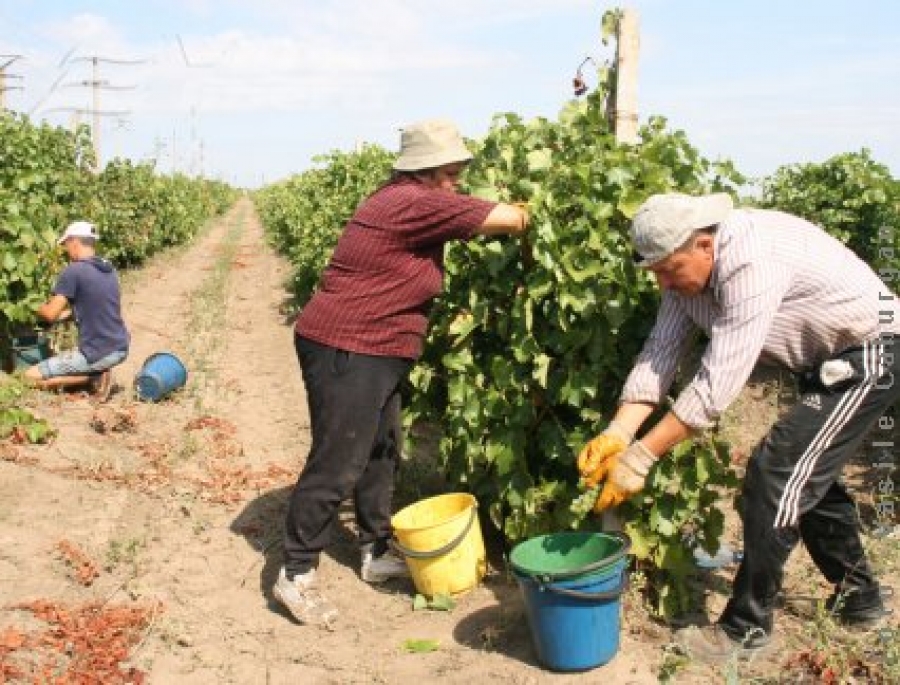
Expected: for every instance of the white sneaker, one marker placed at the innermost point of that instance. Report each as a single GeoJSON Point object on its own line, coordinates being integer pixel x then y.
{"type": "Point", "coordinates": [379, 569]}
{"type": "Point", "coordinates": [303, 600]}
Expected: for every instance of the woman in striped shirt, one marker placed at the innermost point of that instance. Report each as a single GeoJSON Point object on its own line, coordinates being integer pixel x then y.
{"type": "Point", "coordinates": [766, 287]}
{"type": "Point", "coordinates": [356, 340]}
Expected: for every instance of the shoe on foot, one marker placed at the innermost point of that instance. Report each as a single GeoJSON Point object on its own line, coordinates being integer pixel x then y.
{"type": "Point", "coordinates": [858, 607]}
{"type": "Point", "coordinates": [301, 597]}
{"type": "Point", "coordinates": [377, 569]}
{"type": "Point", "coordinates": [101, 386]}
{"type": "Point", "coordinates": [711, 644]}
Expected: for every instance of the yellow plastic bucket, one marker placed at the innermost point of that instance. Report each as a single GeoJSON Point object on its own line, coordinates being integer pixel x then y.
{"type": "Point", "coordinates": [441, 540]}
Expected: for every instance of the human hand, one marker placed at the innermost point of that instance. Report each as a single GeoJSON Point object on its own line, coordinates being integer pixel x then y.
{"type": "Point", "coordinates": [592, 459]}
{"type": "Point", "coordinates": [526, 217]}
{"type": "Point", "coordinates": [626, 473]}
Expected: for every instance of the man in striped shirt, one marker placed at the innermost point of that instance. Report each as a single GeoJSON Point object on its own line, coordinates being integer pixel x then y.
{"type": "Point", "coordinates": [766, 287]}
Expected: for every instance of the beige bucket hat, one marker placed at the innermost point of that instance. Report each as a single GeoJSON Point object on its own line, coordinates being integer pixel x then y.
{"type": "Point", "coordinates": [429, 144]}
{"type": "Point", "coordinates": [664, 222]}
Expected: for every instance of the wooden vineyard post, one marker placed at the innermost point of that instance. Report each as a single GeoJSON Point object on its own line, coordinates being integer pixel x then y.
{"type": "Point", "coordinates": [625, 120]}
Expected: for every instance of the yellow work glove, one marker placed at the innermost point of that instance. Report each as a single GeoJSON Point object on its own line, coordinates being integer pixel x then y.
{"type": "Point", "coordinates": [625, 475]}
{"type": "Point", "coordinates": [591, 460]}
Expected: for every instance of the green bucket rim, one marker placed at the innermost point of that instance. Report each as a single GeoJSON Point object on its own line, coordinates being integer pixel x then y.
{"type": "Point", "coordinates": [564, 573]}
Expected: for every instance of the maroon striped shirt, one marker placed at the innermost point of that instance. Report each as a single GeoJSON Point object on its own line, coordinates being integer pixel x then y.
{"type": "Point", "coordinates": [387, 268]}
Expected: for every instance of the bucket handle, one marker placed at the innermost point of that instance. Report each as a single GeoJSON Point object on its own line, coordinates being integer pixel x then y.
{"type": "Point", "coordinates": [589, 596]}
{"type": "Point", "coordinates": [441, 551]}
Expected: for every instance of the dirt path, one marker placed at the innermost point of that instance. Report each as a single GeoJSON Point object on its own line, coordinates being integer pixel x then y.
{"type": "Point", "coordinates": [178, 505]}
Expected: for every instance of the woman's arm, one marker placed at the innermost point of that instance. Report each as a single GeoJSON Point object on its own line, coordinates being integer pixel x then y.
{"type": "Point", "coordinates": [504, 219]}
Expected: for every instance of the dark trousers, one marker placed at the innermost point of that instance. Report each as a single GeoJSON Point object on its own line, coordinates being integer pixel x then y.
{"type": "Point", "coordinates": [354, 408]}
{"type": "Point", "coordinates": [791, 489]}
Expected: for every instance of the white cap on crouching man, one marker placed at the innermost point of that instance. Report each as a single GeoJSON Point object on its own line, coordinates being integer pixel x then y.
{"type": "Point", "coordinates": [430, 144]}
{"type": "Point", "coordinates": [79, 229]}
{"type": "Point", "coordinates": [664, 222]}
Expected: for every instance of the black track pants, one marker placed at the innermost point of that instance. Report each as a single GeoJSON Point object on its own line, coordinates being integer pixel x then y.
{"type": "Point", "coordinates": [791, 489]}
{"type": "Point", "coordinates": [354, 408]}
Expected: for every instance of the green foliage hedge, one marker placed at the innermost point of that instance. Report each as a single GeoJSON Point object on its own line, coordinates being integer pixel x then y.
{"type": "Point", "coordinates": [46, 182]}
{"type": "Point", "coordinates": [140, 212]}
{"type": "Point", "coordinates": [532, 340]}
{"type": "Point", "coordinates": [852, 196]}
{"type": "Point", "coordinates": [43, 176]}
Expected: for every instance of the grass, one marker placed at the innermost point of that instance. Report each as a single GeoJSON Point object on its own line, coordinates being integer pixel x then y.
{"type": "Point", "coordinates": [124, 552]}
{"type": "Point", "coordinates": [832, 653]}
{"type": "Point", "coordinates": [203, 331]}
{"type": "Point", "coordinates": [207, 315]}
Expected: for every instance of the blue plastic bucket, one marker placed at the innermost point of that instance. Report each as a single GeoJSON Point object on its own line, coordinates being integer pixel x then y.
{"type": "Point", "coordinates": [572, 584]}
{"type": "Point", "coordinates": [161, 374]}
{"type": "Point", "coordinates": [28, 350]}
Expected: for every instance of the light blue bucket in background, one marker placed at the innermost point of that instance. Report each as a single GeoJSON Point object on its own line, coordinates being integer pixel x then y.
{"type": "Point", "coordinates": [162, 373]}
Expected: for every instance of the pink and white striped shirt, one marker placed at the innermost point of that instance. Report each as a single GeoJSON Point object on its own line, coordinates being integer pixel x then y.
{"type": "Point", "coordinates": [782, 292]}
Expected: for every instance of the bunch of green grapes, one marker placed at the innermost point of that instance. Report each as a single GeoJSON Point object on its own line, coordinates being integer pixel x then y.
{"type": "Point", "coordinates": [582, 505]}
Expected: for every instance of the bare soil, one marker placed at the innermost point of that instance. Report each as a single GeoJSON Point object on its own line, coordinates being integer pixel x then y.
{"type": "Point", "coordinates": [141, 544]}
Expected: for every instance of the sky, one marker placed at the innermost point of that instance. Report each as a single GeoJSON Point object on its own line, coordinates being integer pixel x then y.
{"type": "Point", "coordinates": [250, 92]}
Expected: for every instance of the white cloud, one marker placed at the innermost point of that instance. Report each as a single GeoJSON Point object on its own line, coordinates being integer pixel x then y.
{"type": "Point", "coordinates": [246, 72]}
{"type": "Point", "coordinates": [92, 34]}
{"type": "Point", "coordinates": [348, 53]}
{"type": "Point", "coordinates": [343, 70]}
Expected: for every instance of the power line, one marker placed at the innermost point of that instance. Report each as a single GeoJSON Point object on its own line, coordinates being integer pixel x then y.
{"type": "Point", "coordinates": [49, 92]}
{"type": "Point", "coordinates": [65, 58]}
{"type": "Point", "coordinates": [5, 62]}
{"type": "Point", "coordinates": [187, 62]}
{"type": "Point", "coordinates": [89, 110]}
{"type": "Point", "coordinates": [110, 60]}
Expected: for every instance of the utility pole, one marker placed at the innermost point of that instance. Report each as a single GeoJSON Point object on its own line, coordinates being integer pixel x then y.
{"type": "Point", "coordinates": [96, 84]}
{"type": "Point", "coordinates": [174, 152]}
{"type": "Point", "coordinates": [5, 61]}
{"type": "Point", "coordinates": [158, 147]}
{"type": "Point", "coordinates": [195, 144]}
{"type": "Point", "coordinates": [627, 47]}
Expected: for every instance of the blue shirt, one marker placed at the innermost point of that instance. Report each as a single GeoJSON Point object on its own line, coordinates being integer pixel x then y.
{"type": "Point", "coordinates": [92, 289]}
